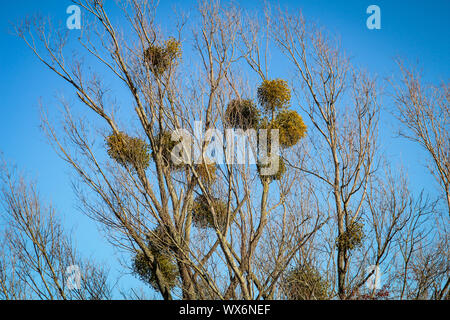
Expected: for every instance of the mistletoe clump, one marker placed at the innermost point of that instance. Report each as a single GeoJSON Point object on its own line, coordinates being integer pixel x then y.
{"type": "Point", "coordinates": [352, 237]}
{"type": "Point", "coordinates": [159, 241]}
{"type": "Point", "coordinates": [128, 150]}
{"type": "Point", "coordinates": [202, 214]}
{"type": "Point", "coordinates": [242, 114]}
{"type": "Point", "coordinates": [164, 142]}
{"type": "Point", "coordinates": [161, 58]}
{"type": "Point", "coordinates": [159, 245]}
{"type": "Point", "coordinates": [291, 127]}
{"type": "Point", "coordinates": [166, 264]}
{"type": "Point", "coordinates": [262, 163]}
{"type": "Point", "coordinates": [276, 175]}
{"type": "Point", "coordinates": [206, 172]}
{"type": "Point", "coordinates": [305, 283]}
{"type": "Point", "coordinates": [274, 95]}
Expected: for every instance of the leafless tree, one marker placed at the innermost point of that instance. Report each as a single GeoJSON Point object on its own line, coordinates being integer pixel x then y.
{"type": "Point", "coordinates": [425, 113]}
{"type": "Point", "coordinates": [37, 253]}
{"type": "Point", "coordinates": [212, 230]}
{"type": "Point", "coordinates": [342, 104]}
{"type": "Point", "coordinates": [147, 210]}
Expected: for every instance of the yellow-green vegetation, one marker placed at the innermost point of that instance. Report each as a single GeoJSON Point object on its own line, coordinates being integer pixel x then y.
{"type": "Point", "coordinates": [289, 124]}
{"type": "Point", "coordinates": [242, 114]}
{"type": "Point", "coordinates": [274, 97]}
{"type": "Point", "coordinates": [161, 58]}
{"type": "Point", "coordinates": [164, 141]}
{"type": "Point", "coordinates": [305, 283]}
{"type": "Point", "coordinates": [159, 245]}
{"type": "Point", "coordinates": [266, 124]}
{"type": "Point", "coordinates": [144, 269]}
{"type": "Point", "coordinates": [206, 172]}
{"type": "Point", "coordinates": [159, 241]}
{"type": "Point", "coordinates": [128, 150]}
{"type": "Point", "coordinates": [202, 214]}
{"type": "Point", "coordinates": [173, 48]}
{"type": "Point", "coordinates": [352, 237]}
{"type": "Point", "coordinates": [274, 94]}
{"type": "Point", "coordinates": [278, 174]}
{"type": "Point", "coordinates": [291, 127]}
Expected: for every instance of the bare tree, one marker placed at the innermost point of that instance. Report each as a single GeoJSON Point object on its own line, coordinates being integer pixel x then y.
{"type": "Point", "coordinates": [425, 113]}
{"type": "Point", "coordinates": [37, 253]}
{"type": "Point", "coordinates": [210, 229]}
{"type": "Point", "coordinates": [341, 103]}
{"type": "Point", "coordinates": [196, 230]}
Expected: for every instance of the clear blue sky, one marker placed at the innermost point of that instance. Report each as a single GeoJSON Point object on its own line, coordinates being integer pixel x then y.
{"type": "Point", "coordinates": [416, 30]}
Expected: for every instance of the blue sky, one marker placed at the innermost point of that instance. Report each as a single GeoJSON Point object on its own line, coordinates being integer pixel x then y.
{"type": "Point", "coordinates": [416, 30]}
